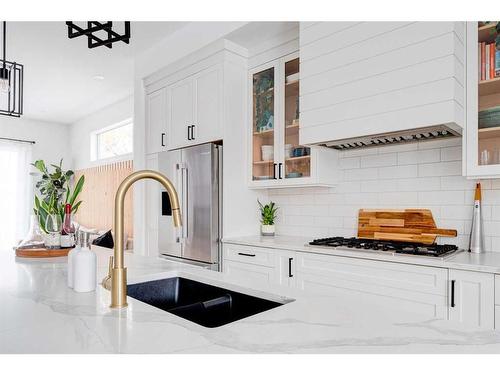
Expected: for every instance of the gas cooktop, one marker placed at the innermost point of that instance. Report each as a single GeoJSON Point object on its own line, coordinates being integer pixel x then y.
{"type": "Point", "coordinates": [394, 247]}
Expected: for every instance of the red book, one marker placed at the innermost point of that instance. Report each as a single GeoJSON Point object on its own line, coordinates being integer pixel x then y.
{"type": "Point", "coordinates": [483, 61]}
{"type": "Point", "coordinates": [492, 60]}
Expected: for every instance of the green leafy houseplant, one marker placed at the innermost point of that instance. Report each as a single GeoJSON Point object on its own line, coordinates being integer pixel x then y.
{"type": "Point", "coordinates": [55, 192]}
{"type": "Point", "coordinates": [268, 213]}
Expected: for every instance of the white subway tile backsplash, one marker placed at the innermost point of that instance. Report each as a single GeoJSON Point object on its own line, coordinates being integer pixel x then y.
{"type": "Point", "coordinates": [416, 175]}
{"type": "Point", "coordinates": [383, 160]}
{"type": "Point", "coordinates": [418, 157]}
{"type": "Point", "coordinates": [451, 168]}
{"type": "Point", "coordinates": [400, 171]}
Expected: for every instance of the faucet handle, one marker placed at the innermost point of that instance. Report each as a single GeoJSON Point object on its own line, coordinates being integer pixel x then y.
{"type": "Point", "coordinates": [106, 282]}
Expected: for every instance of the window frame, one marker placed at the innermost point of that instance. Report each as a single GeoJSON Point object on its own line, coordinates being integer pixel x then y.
{"type": "Point", "coordinates": [94, 143]}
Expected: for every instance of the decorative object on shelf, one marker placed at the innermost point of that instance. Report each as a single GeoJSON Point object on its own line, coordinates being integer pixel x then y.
{"type": "Point", "coordinates": [292, 78]}
{"type": "Point", "coordinates": [294, 175]}
{"type": "Point", "coordinates": [268, 214]}
{"type": "Point", "coordinates": [54, 192]}
{"type": "Point", "coordinates": [267, 152]}
{"type": "Point", "coordinates": [288, 150]}
{"type": "Point", "coordinates": [489, 118]}
{"type": "Point", "coordinates": [11, 83]}
{"type": "Point", "coordinates": [476, 242]}
{"type": "Point", "coordinates": [263, 84]}
{"type": "Point", "coordinates": [93, 29]}
{"type": "Point", "coordinates": [300, 151]}
{"type": "Point", "coordinates": [497, 39]}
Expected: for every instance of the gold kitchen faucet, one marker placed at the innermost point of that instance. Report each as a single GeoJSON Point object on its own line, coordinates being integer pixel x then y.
{"type": "Point", "coordinates": [116, 281]}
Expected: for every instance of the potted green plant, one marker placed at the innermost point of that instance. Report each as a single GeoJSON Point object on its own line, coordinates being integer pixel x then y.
{"type": "Point", "coordinates": [54, 192]}
{"type": "Point", "coordinates": [268, 214]}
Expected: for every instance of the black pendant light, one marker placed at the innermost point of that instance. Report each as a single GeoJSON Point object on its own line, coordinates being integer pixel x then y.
{"type": "Point", "coordinates": [11, 84]}
{"type": "Point", "coordinates": [99, 33]}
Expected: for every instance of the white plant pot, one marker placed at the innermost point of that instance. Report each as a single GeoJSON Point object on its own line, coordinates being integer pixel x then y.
{"type": "Point", "coordinates": [267, 230]}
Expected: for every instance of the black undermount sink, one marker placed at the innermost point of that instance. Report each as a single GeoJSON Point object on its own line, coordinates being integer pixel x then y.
{"type": "Point", "coordinates": [204, 304]}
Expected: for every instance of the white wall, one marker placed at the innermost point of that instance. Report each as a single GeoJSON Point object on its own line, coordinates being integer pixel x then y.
{"type": "Point", "coordinates": [80, 131]}
{"type": "Point", "coordinates": [52, 139]}
{"type": "Point", "coordinates": [420, 175]}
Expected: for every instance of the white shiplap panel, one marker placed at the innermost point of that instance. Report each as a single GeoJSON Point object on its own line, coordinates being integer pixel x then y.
{"type": "Point", "coordinates": [347, 37]}
{"type": "Point", "coordinates": [414, 54]}
{"type": "Point", "coordinates": [408, 118]}
{"type": "Point", "coordinates": [433, 92]}
{"type": "Point", "coordinates": [445, 67]}
{"type": "Point", "coordinates": [321, 30]}
{"type": "Point", "coordinates": [307, 24]}
{"type": "Point", "coordinates": [374, 46]}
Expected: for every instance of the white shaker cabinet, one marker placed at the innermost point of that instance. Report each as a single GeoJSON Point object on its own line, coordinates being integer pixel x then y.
{"type": "Point", "coordinates": [156, 124]}
{"type": "Point", "coordinates": [472, 298]}
{"type": "Point", "coordinates": [367, 78]}
{"type": "Point", "coordinates": [195, 109]}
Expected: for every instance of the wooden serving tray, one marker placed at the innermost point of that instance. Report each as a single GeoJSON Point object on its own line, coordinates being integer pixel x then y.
{"type": "Point", "coordinates": [411, 225]}
{"type": "Point", "coordinates": [42, 253]}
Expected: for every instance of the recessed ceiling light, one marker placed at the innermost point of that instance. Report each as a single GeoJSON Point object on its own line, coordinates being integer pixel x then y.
{"type": "Point", "coordinates": [98, 78]}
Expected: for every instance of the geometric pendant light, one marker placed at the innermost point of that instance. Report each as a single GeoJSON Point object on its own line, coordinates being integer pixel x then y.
{"type": "Point", "coordinates": [11, 84]}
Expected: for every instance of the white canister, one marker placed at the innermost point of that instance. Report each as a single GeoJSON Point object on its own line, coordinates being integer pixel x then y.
{"type": "Point", "coordinates": [288, 150]}
{"type": "Point", "coordinates": [267, 152]}
{"type": "Point", "coordinates": [85, 268]}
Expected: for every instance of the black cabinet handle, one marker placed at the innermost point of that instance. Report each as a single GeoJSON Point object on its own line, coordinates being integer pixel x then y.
{"type": "Point", "coordinates": [280, 166]}
{"type": "Point", "coordinates": [163, 139]}
{"type": "Point", "coordinates": [290, 267]}
{"type": "Point", "coordinates": [192, 132]}
{"type": "Point", "coordinates": [189, 132]}
{"type": "Point", "coordinates": [246, 255]}
{"type": "Point", "coordinates": [452, 293]}
{"type": "Point", "coordinates": [274, 171]}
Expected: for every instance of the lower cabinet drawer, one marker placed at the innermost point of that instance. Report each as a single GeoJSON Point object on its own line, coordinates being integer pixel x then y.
{"type": "Point", "coordinates": [250, 254]}
{"type": "Point", "coordinates": [250, 272]}
{"type": "Point", "coordinates": [416, 289]}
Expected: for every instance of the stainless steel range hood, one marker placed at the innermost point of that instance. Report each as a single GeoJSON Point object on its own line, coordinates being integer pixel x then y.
{"type": "Point", "coordinates": [403, 136]}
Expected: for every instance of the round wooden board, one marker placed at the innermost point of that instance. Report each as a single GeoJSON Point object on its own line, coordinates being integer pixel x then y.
{"type": "Point", "coordinates": [42, 253]}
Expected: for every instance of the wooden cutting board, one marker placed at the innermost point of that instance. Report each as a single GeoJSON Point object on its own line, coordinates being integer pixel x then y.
{"type": "Point", "coordinates": [41, 253]}
{"type": "Point", "coordinates": [411, 225]}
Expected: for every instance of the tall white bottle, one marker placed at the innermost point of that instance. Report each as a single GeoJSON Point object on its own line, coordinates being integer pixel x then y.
{"type": "Point", "coordinates": [71, 262]}
{"type": "Point", "coordinates": [85, 267]}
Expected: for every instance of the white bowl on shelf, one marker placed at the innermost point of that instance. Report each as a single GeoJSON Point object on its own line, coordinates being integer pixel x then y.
{"type": "Point", "coordinates": [292, 78]}
{"type": "Point", "coordinates": [267, 152]}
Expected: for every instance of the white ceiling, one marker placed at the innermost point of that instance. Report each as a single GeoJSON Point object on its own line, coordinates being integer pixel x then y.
{"type": "Point", "coordinates": [59, 83]}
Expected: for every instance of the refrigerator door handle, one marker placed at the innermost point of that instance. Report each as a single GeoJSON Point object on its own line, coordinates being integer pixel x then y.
{"type": "Point", "coordinates": [184, 202]}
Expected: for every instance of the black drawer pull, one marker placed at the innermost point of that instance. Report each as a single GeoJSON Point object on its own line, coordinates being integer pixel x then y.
{"type": "Point", "coordinates": [290, 267]}
{"type": "Point", "coordinates": [189, 132]}
{"type": "Point", "coordinates": [452, 293]}
{"type": "Point", "coordinates": [280, 167]}
{"type": "Point", "coordinates": [163, 139]}
{"type": "Point", "coordinates": [246, 255]}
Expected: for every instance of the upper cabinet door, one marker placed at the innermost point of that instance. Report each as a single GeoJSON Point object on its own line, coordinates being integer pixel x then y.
{"type": "Point", "coordinates": [263, 156]}
{"type": "Point", "coordinates": [482, 158]}
{"type": "Point", "coordinates": [156, 114]}
{"type": "Point", "coordinates": [208, 86]}
{"type": "Point", "coordinates": [180, 113]}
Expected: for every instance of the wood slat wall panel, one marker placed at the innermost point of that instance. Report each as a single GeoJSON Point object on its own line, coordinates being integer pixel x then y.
{"type": "Point", "coordinates": [98, 195]}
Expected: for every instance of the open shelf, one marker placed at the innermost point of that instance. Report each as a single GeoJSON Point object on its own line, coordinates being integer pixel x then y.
{"type": "Point", "coordinates": [263, 162]}
{"type": "Point", "coordinates": [487, 32]}
{"type": "Point", "coordinates": [264, 133]}
{"type": "Point", "coordinates": [493, 132]}
{"type": "Point", "coordinates": [489, 87]}
{"type": "Point", "coordinates": [298, 158]}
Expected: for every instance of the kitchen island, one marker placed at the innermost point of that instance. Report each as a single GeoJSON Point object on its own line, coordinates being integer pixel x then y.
{"type": "Point", "coordinates": [40, 314]}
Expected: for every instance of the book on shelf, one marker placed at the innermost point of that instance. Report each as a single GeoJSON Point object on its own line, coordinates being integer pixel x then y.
{"type": "Point", "coordinates": [489, 61]}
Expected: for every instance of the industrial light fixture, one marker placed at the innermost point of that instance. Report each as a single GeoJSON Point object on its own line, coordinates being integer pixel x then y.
{"type": "Point", "coordinates": [11, 84]}
{"type": "Point", "coordinates": [95, 30]}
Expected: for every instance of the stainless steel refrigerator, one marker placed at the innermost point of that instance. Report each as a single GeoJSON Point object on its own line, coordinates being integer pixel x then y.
{"type": "Point", "coordinates": [197, 175]}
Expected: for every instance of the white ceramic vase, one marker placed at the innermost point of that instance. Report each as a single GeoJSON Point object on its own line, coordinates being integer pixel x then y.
{"type": "Point", "coordinates": [267, 230]}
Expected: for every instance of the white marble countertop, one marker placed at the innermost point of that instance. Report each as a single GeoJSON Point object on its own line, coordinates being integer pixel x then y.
{"type": "Point", "coordinates": [486, 262]}
{"type": "Point", "coordinates": [39, 314]}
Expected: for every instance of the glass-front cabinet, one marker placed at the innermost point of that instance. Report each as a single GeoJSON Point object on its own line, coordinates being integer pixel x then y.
{"type": "Point", "coordinates": [277, 158]}
{"type": "Point", "coordinates": [482, 140]}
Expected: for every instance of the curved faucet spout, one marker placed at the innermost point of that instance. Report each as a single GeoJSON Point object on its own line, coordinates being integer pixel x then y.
{"type": "Point", "coordinates": [118, 274]}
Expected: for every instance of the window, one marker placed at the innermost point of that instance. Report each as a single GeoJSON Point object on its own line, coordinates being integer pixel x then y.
{"type": "Point", "coordinates": [113, 141]}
